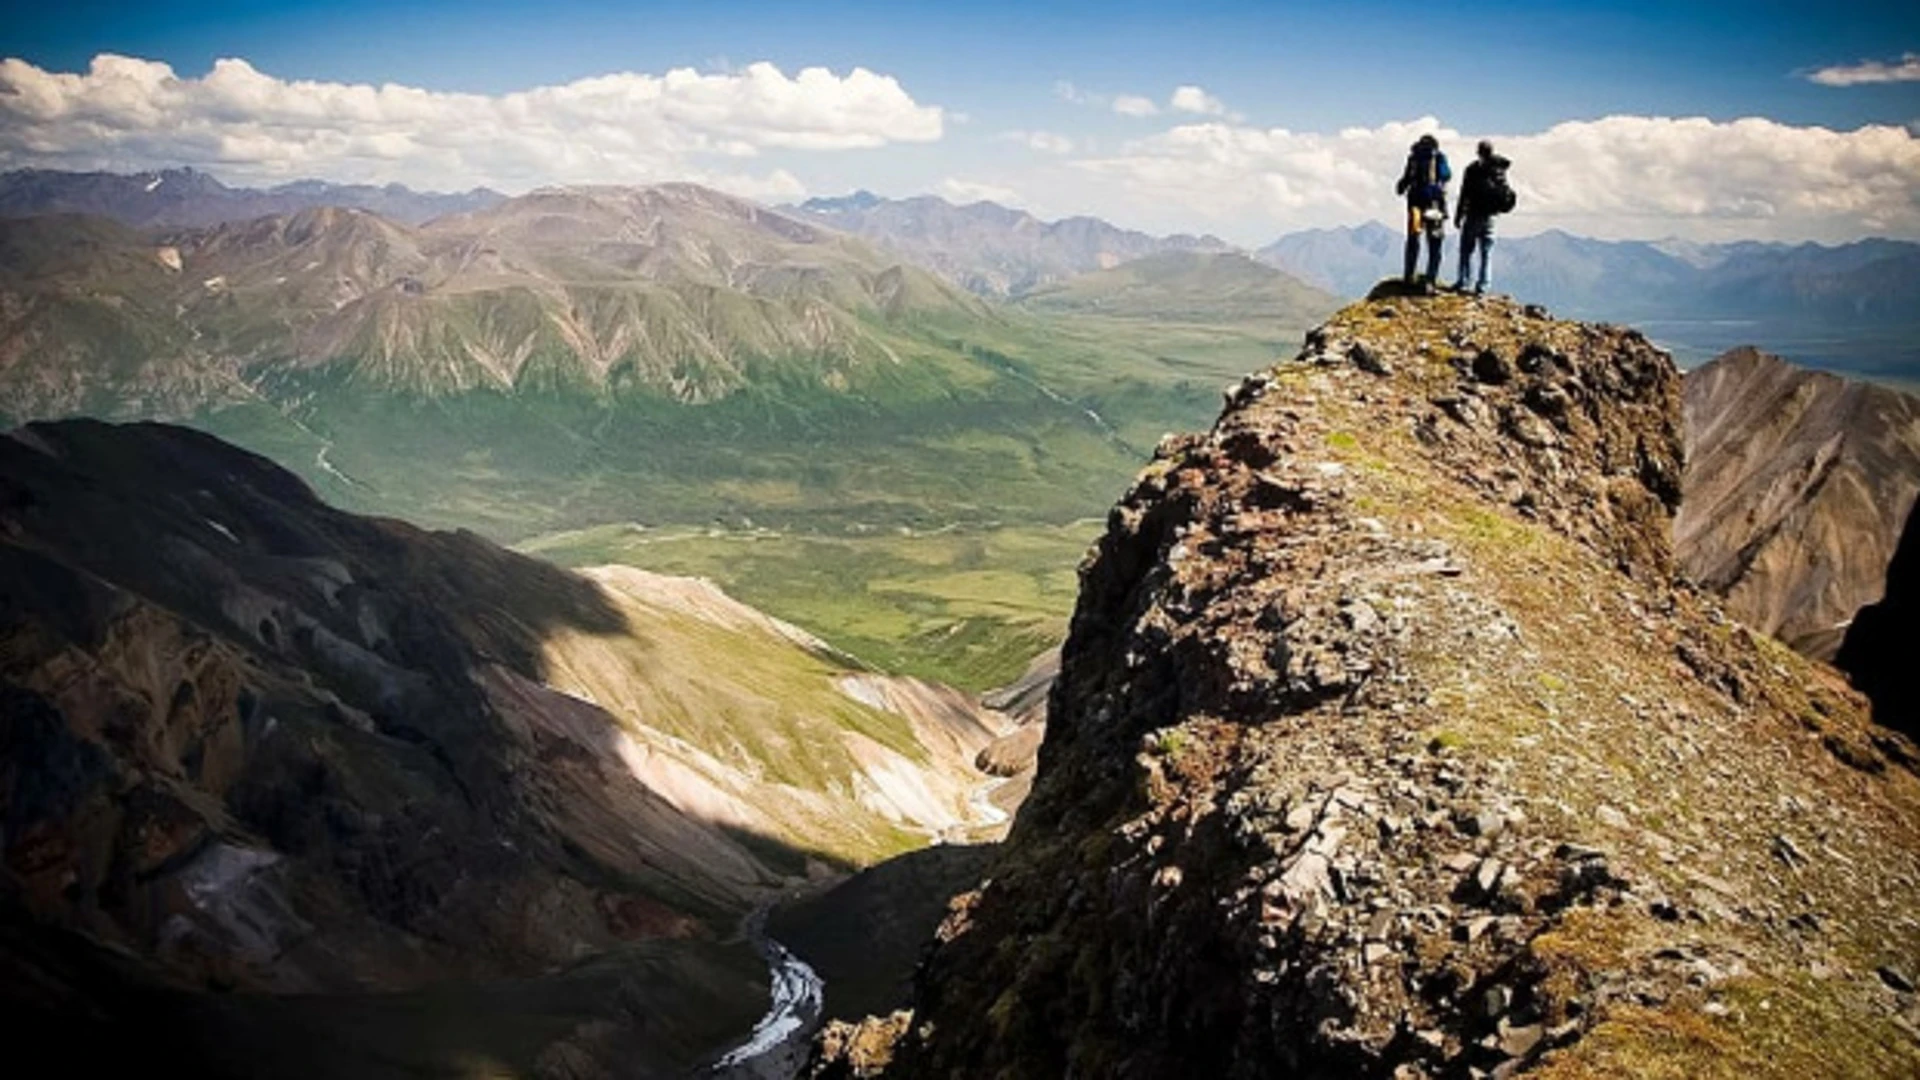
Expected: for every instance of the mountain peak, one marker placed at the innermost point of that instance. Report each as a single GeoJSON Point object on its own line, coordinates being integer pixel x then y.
{"type": "Point", "coordinates": [1384, 743]}
{"type": "Point", "coordinates": [1195, 286]}
{"type": "Point", "coordinates": [648, 201]}
{"type": "Point", "coordinates": [187, 197]}
{"type": "Point", "coordinates": [859, 200]}
{"type": "Point", "coordinates": [989, 248]}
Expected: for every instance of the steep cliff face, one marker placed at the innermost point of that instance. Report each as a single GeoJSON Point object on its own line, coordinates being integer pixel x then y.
{"type": "Point", "coordinates": [1385, 744]}
{"type": "Point", "coordinates": [1797, 485]}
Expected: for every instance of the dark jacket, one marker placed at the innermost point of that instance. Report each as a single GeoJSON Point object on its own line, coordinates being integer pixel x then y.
{"type": "Point", "coordinates": [1476, 188]}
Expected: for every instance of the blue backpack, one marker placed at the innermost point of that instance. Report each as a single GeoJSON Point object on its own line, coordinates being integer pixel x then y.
{"type": "Point", "coordinates": [1428, 174]}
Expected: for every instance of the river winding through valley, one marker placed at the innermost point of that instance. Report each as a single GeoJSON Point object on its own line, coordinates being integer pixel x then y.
{"type": "Point", "coordinates": [777, 1049]}
{"type": "Point", "coordinates": [778, 1046]}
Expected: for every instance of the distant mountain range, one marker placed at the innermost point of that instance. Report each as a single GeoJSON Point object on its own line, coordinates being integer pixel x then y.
{"type": "Point", "coordinates": [997, 251]}
{"type": "Point", "coordinates": [991, 249]}
{"type": "Point", "coordinates": [1186, 286]}
{"type": "Point", "coordinates": [1870, 280]}
{"type": "Point", "coordinates": [1853, 308]}
{"type": "Point", "coordinates": [583, 355]}
{"type": "Point", "coordinates": [186, 197]}
{"type": "Point", "coordinates": [674, 290]}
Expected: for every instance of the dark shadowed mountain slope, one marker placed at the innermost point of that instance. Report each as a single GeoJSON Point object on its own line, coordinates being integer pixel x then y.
{"type": "Point", "coordinates": [186, 198]}
{"type": "Point", "coordinates": [1797, 485]}
{"type": "Point", "coordinates": [988, 248]}
{"type": "Point", "coordinates": [1882, 645]}
{"type": "Point", "coordinates": [865, 935]}
{"type": "Point", "coordinates": [1385, 745]}
{"type": "Point", "coordinates": [254, 743]}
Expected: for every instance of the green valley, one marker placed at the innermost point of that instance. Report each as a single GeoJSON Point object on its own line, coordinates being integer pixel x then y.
{"type": "Point", "coordinates": [673, 359]}
{"type": "Point", "coordinates": [959, 605]}
{"type": "Point", "coordinates": [1016, 418]}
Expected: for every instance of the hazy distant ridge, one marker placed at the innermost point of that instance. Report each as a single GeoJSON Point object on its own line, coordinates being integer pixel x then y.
{"type": "Point", "coordinates": [991, 249]}
{"type": "Point", "coordinates": [189, 198]}
{"type": "Point", "coordinates": [1871, 280]}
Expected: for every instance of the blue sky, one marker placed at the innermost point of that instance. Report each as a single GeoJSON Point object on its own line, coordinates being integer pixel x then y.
{"type": "Point", "coordinates": [1008, 128]}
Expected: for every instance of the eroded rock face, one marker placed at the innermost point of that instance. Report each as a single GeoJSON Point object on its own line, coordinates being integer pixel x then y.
{"type": "Point", "coordinates": [1798, 483]}
{"type": "Point", "coordinates": [1386, 744]}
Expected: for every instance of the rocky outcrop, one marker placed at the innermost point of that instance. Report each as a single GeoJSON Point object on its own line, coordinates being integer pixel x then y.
{"type": "Point", "coordinates": [1386, 744]}
{"type": "Point", "coordinates": [1797, 484]}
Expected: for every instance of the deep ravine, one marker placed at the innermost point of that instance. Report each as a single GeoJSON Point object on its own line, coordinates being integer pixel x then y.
{"type": "Point", "coordinates": [778, 1045]}
{"type": "Point", "coordinates": [780, 1042]}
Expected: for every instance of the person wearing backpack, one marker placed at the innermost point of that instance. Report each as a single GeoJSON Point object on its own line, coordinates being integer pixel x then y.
{"type": "Point", "coordinates": [1424, 182]}
{"type": "Point", "coordinates": [1484, 194]}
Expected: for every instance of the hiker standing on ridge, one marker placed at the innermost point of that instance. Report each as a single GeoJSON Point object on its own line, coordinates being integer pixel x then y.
{"type": "Point", "coordinates": [1424, 183]}
{"type": "Point", "coordinates": [1484, 193]}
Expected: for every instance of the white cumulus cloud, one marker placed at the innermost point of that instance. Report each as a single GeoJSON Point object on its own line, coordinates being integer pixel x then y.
{"type": "Point", "coordinates": [1047, 142]}
{"type": "Point", "coordinates": [1195, 100]}
{"type": "Point", "coordinates": [1125, 104]}
{"type": "Point", "coordinates": [126, 113]}
{"type": "Point", "coordinates": [971, 191]}
{"type": "Point", "coordinates": [1068, 92]}
{"type": "Point", "coordinates": [1905, 69]}
{"type": "Point", "coordinates": [1621, 176]}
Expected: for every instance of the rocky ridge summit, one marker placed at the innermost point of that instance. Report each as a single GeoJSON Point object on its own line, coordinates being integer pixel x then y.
{"type": "Point", "coordinates": [1798, 483]}
{"type": "Point", "coordinates": [1388, 742]}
